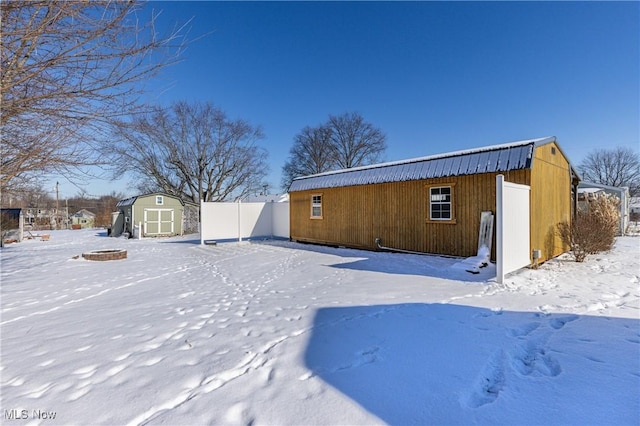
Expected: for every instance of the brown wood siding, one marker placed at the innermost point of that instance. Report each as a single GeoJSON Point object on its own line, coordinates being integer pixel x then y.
{"type": "Point", "coordinates": [398, 213]}
{"type": "Point", "coordinates": [550, 199]}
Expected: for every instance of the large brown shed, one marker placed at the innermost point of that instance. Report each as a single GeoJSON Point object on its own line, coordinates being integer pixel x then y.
{"type": "Point", "coordinates": [434, 204]}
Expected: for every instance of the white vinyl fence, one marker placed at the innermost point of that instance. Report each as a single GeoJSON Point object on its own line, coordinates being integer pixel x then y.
{"type": "Point", "coordinates": [512, 227]}
{"type": "Point", "coordinates": [225, 221]}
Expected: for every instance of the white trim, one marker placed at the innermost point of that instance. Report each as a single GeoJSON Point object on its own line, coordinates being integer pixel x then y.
{"type": "Point", "coordinates": [315, 205]}
{"type": "Point", "coordinates": [499, 229]}
{"type": "Point", "coordinates": [441, 202]}
{"type": "Point", "coordinates": [159, 222]}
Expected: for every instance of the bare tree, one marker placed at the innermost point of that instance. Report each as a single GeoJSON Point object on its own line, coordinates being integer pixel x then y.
{"type": "Point", "coordinates": [30, 196]}
{"type": "Point", "coordinates": [343, 142]}
{"type": "Point", "coordinates": [310, 154]}
{"type": "Point", "coordinates": [354, 141]}
{"type": "Point", "coordinates": [614, 167]}
{"type": "Point", "coordinates": [68, 68]}
{"type": "Point", "coordinates": [192, 151]}
{"type": "Point", "coordinates": [101, 206]}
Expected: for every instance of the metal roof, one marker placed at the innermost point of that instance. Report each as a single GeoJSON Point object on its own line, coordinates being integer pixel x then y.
{"type": "Point", "coordinates": [490, 159]}
{"type": "Point", "coordinates": [131, 200]}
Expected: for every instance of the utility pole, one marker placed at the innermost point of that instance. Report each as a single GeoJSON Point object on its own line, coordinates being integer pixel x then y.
{"type": "Point", "coordinates": [57, 207]}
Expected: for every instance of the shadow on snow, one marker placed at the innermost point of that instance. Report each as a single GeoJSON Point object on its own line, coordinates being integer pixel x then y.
{"type": "Point", "coordinates": [451, 364]}
{"type": "Point", "coordinates": [395, 263]}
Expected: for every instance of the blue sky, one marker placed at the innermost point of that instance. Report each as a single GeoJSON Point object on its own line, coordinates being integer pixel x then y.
{"type": "Point", "coordinates": [434, 76]}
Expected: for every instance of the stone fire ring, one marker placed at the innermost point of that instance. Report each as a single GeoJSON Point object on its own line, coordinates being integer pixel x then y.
{"type": "Point", "coordinates": [116, 254]}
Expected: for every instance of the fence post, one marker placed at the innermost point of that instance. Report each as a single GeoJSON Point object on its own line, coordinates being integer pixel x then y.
{"type": "Point", "coordinates": [239, 222]}
{"type": "Point", "coordinates": [499, 229]}
{"type": "Point", "coordinates": [200, 222]}
{"type": "Point", "coordinates": [21, 225]}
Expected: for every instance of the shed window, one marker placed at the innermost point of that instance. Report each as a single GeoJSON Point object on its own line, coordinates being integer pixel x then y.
{"type": "Point", "coordinates": [316, 206]}
{"type": "Point", "coordinates": [441, 203]}
{"type": "Point", "coordinates": [159, 200]}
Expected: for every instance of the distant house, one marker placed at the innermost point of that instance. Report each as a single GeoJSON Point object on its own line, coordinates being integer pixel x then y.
{"type": "Point", "coordinates": [434, 204]}
{"type": "Point", "coordinates": [634, 214]}
{"type": "Point", "coordinates": [634, 206]}
{"type": "Point", "coordinates": [587, 190]}
{"type": "Point", "coordinates": [270, 198]}
{"type": "Point", "coordinates": [42, 216]}
{"type": "Point", "coordinates": [83, 219]}
{"type": "Point", "coordinates": [153, 215]}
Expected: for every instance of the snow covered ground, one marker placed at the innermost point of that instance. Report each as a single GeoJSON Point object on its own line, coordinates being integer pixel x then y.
{"type": "Point", "coordinates": [280, 333]}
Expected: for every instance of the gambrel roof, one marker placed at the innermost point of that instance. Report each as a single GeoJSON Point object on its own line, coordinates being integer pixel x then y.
{"type": "Point", "coordinates": [131, 200]}
{"type": "Point", "coordinates": [490, 159]}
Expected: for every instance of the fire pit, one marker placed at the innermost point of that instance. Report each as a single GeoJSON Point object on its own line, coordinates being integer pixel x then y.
{"type": "Point", "coordinates": [116, 254]}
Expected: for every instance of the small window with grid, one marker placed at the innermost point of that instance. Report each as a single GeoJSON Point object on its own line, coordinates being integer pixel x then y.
{"type": "Point", "coordinates": [316, 206]}
{"type": "Point", "coordinates": [440, 205]}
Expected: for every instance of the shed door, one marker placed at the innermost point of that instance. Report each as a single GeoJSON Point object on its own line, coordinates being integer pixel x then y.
{"type": "Point", "coordinates": [158, 221]}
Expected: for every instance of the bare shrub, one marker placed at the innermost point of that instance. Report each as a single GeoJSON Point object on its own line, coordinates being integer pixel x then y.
{"type": "Point", "coordinates": [594, 228]}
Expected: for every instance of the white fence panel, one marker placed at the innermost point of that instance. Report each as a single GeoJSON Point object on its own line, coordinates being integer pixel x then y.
{"type": "Point", "coordinates": [513, 227]}
{"type": "Point", "coordinates": [280, 220]}
{"type": "Point", "coordinates": [219, 221]}
{"type": "Point", "coordinates": [255, 220]}
{"type": "Point", "coordinates": [223, 221]}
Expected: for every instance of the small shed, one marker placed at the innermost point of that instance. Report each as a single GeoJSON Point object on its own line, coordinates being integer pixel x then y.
{"type": "Point", "coordinates": [634, 208]}
{"type": "Point", "coordinates": [587, 190]}
{"type": "Point", "coordinates": [83, 219]}
{"type": "Point", "coordinates": [434, 204]}
{"type": "Point", "coordinates": [11, 225]}
{"type": "Point", "coordinates": [149, 215]}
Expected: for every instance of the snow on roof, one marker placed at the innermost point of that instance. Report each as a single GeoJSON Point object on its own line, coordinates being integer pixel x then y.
{"type": "Point", "coordinates": [494, 158]}
{"type": "Point", "coordinates": [618, 189]}
{"type": "Point", "coordinates": [84, 213]}
{"type": "Point", "coordinates": [589, 190]}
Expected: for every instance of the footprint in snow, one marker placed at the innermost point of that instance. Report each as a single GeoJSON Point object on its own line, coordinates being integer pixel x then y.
{"type": "Point", "coordinates": [116, 369]}
{"type": "Point", "coordinates": [238, 414]}
{"type": "Point", "coordinates": [488, 384]}
{"type": "Point", "coordinates": [86, 372]}
{"type": "Point", "coordinates": [306, 376]}
{"type": "Point", "coordinates": [269, 375]}
{"type": "Point", "coordinates": [364, 357]}
{"type": "Point", "coordinates": [524, 330]}
{"type": "Point", "coordinates": [152, 361]}
{"type": "Point", "coordinates": [560, 322]}
{"type": "Point", "coordinates": [531, 357]}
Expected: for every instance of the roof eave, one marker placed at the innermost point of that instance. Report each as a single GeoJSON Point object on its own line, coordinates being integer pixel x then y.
{"type": "Point", "coordinates": [544, 140]}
